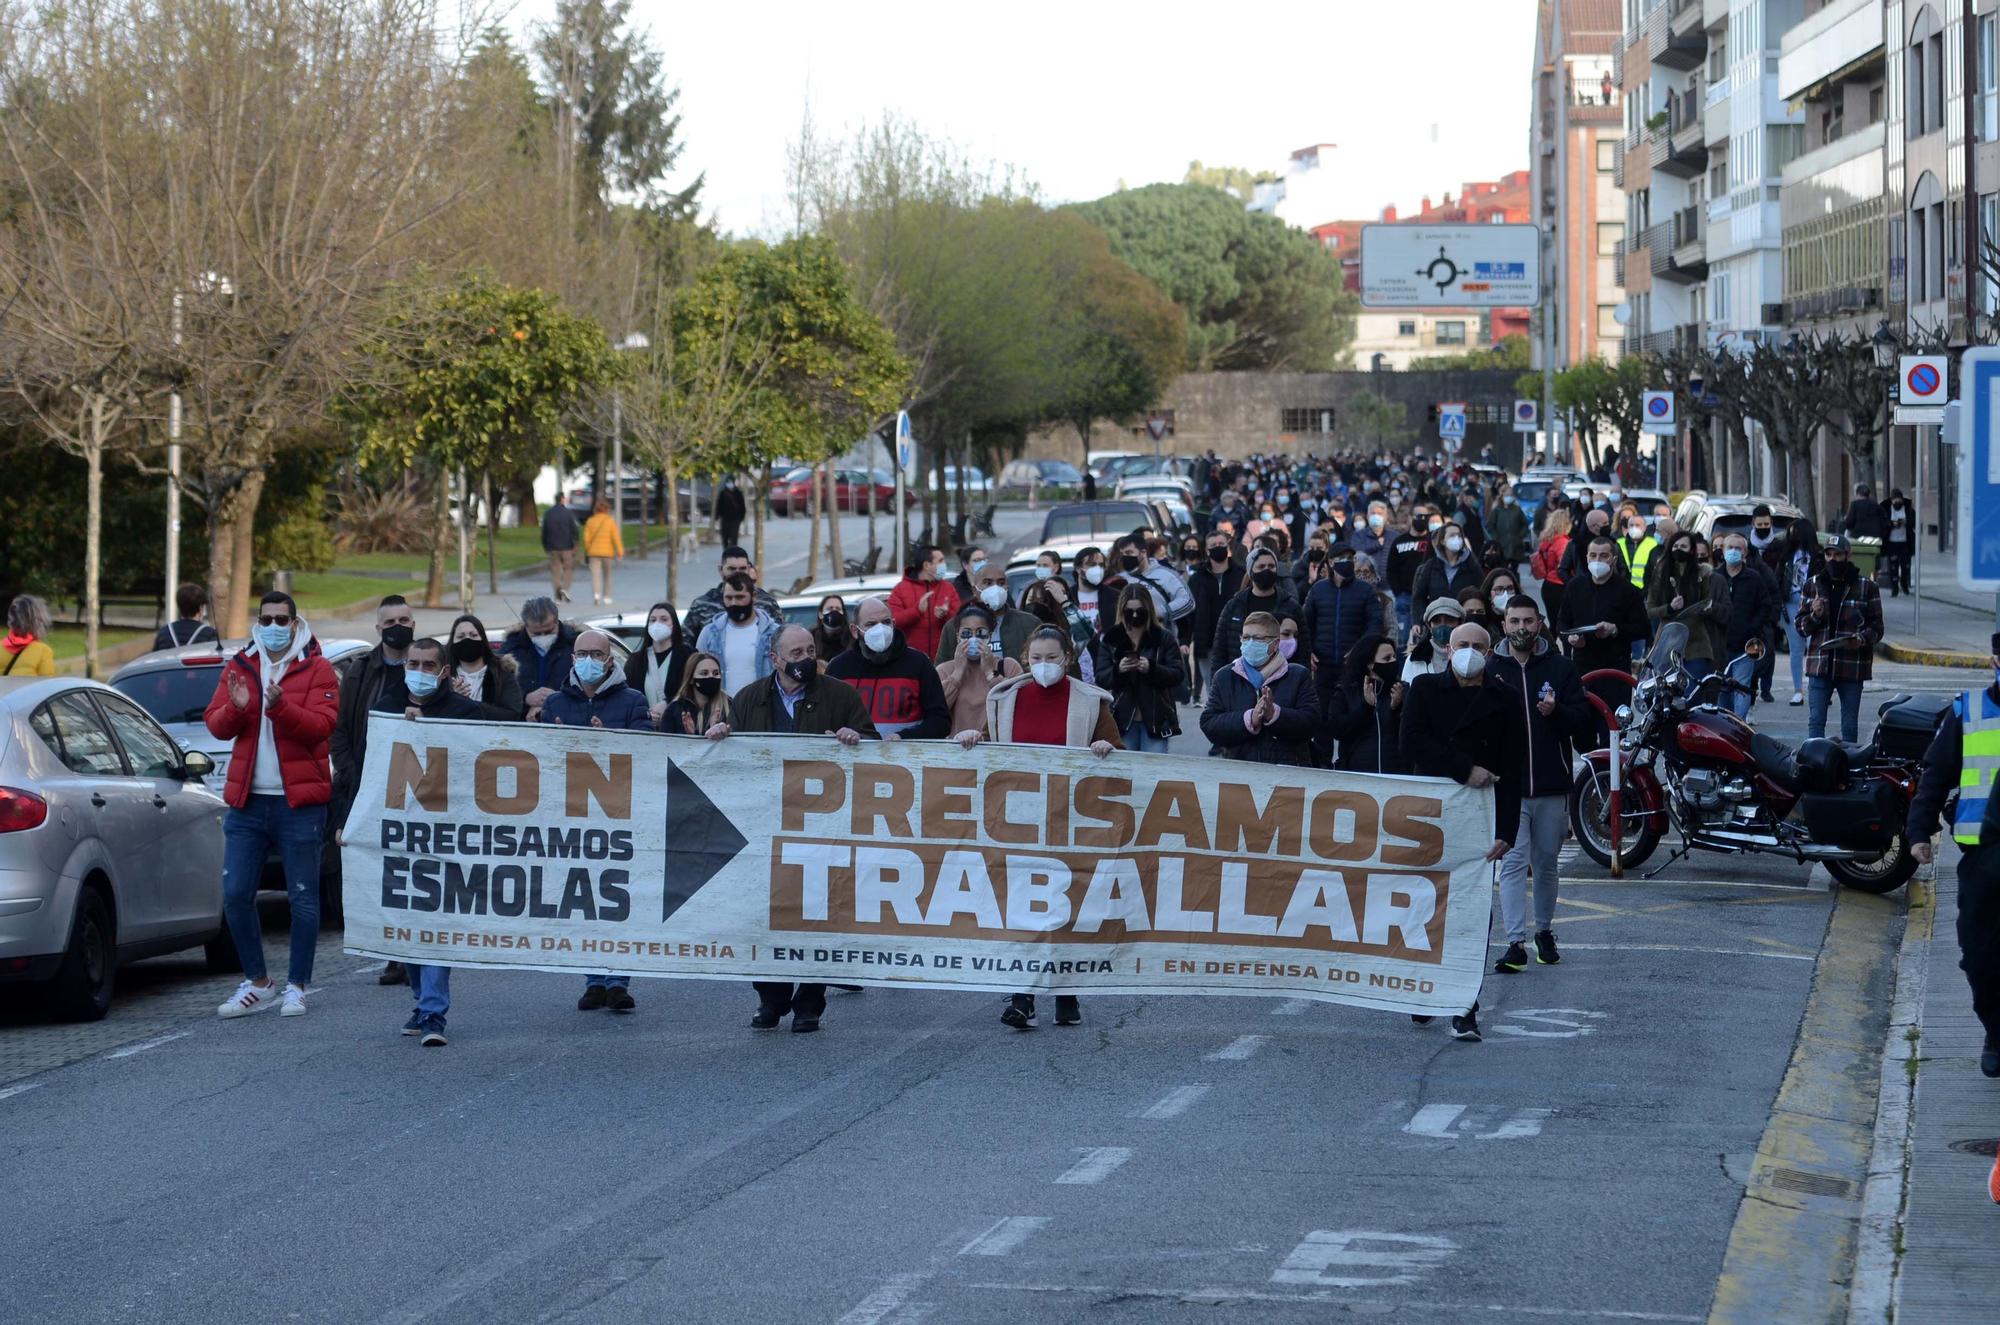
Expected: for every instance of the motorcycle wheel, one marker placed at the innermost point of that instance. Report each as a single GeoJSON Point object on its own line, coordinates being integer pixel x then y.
{"type": "Point", "coordinates": [1884, 874]}
{"type": "Point", "coordinates": [1590, 820]}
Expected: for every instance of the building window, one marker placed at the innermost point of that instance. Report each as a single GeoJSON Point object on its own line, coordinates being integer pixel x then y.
{"type": "Point", "coordinates": [1987, 120]}
{"type": "Point", "coordinates": [1609, 233]}
{"type": "Point", "coordinates": [1607, 322]}
{"type": "Point", "coordinates": [1913, 79]}
{"type": "Point", "coordinates": [1934, 71]}
{"type": "Point", "coordinates": [1607, 155]}
{"type": "Point", "coordinates": [1451, 333]}
{"type": "Point", "coordinates": [1989, 235]}
{"type": "Point", "coordinates": [1406, 328]}
{"type": "Point", "coordinates": [1313, 419]}
{"type": "Point", "coordinates": [1919, 269]}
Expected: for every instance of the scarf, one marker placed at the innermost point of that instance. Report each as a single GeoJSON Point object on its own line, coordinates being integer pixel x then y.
{"type": "Point", "coordinates": [18, 642]}
{"type": "Point", "coordinates": [656, 676]}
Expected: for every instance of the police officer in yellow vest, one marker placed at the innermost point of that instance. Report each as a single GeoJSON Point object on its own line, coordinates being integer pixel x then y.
{"type": "Point", "coordinates": [1637, 547]}
{"type": "Point", "coordinates": [1965, 756]}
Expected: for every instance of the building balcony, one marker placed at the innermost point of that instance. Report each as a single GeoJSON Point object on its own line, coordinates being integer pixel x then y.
{"type": "Point", "coordinates": [1618, 164]}
{"type": "Point", "coordinates": [1678, 45]}
{"type": "Point", "coordinates": [1618, 266]}
{"type": "Point", "coordinates": [1827, 42]}
{"type": "Point", "coordinates": [1829, 157]}
{"type": "Point", "coordinates": [1827, 304]}
{"type": "Point", "coordinates": [1677, 249]}
{"type": "Point", "coordinates": [1684, 19]}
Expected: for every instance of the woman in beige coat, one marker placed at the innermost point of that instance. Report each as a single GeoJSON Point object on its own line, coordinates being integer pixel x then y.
{"type": "Point", "coordinates": [975, 668]}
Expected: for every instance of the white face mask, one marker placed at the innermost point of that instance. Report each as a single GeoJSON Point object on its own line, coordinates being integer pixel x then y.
{"type": "Point", "coordinates": [994, 596]}
{"type": "Point", "coordinates": [1637, 531]}
{"type": "Point", "coordinates": [1467, 661]}
{"type": "Point", "coordinates": [879, 636]}
{"type": "Point", "coordinates": [1045, 572]}
{"type": "Point", "coordinates": [1377, 520]}
{"type": "Point", "coordinates": [1500, 600]}
{"type": "Point", "coordinates": [1454, 544]}
{"type": "Point", "coordinates": [1600, 570]}
{"type": "Point", "coordinates": [1093, 575]}
{"type": "Point", "coordinates": [543, 643]}
{"type": "Point", "coordinates": [659, 631]}
{"type": "Point", "coordinates": [1046, 673]}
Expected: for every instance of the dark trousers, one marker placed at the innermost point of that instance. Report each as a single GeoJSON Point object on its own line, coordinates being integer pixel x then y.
{"type": "Point", "coordinates": [1979, 932]}
{"type": "Point", "coordinates": [807, 1001]}
{"type": "Point", "coordinates": [1896, 561]}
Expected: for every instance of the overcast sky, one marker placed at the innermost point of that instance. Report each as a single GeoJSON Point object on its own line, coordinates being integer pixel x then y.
{"type": "Point", "coordinates": [1418, 95]}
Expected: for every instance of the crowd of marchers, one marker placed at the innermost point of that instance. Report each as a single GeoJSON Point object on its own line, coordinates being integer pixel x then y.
{"type": "Point", "coordinates": [1359, 612]}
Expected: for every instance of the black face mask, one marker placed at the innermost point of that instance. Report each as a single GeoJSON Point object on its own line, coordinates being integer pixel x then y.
{"type": "Point", "coordinates": [739, 611]}
{"type": "Point", "coordinates": [708, 687]}
{"type": "Point", "coordinates": [1190, 553]}
{"type": "Point", "coordinates": [1388, 673]}
{"type": "Point", "coordinates": [834, 621]}
{"type": "Point", "coordinates": [1219, 555]}
{"type": "Point", "coordinates": [465, 651]}
{"type": "Point", "coordinates": [1684, 554]}
{"type": "Point", "coordinates": [1136, 617]}
{"type": "Point", "coordinates": [1264, 579]}
{"type": "Point", "coordinates": [1317, 555]}
{"type": "Point", "coordinates": [1130, 561]}
{"type": "Point", "coordinates": [801, 669]}
{"type": "Point", "coordinates": [1344, 569]}
{"type": "Point", "coordinates": [398, 637]}
{"type": "Point", "coordinates": [1841, 572]}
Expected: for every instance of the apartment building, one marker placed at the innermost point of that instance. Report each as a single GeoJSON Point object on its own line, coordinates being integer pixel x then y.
{"type": "Point", "coordinates": [1579, 116]}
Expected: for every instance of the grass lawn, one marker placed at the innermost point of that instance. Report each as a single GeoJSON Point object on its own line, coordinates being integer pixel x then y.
{"type": "Point", "coordinates": [67, 641]}
{"type": "Point", "coordinates": [518, 549]}
{"type": "Point", "coordinates": [321, 591]}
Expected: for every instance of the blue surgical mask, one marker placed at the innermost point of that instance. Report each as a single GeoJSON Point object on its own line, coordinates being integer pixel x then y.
{"type": "Point", "coordinates": [1044, 572]}
{"type": "Point", "coordinates": [274, 640]}
{"type": "Point", "coordinates": [420, 684]}
{"type": "Point", "coordinates": [1256, 652]}
{"type": "Point", "coordinates": [1733, 555]}
{"type": "Point", "coordinates": [976, 567]}
{"type": "Point", "coordinates": [590, 671]}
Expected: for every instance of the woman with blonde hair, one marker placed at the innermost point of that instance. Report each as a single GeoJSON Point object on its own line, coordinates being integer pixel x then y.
{"type": "Point", "coordinates": [603, 544]}
{"type": "Point", "coordinates": [701, 705]}
{"type": "Point", "coordinates": [1548, 559]}
{"type": "Point", "coordinates": [27, 652]}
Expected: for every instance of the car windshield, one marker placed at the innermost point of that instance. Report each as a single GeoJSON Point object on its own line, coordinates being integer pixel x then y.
{"type": "Point", "coordinates": [172, 694]}
{"type": "Point", "coordinates": [1071, 524]}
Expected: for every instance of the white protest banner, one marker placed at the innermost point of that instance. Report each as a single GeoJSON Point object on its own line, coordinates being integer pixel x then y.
{"type": "Point", "coordinates": [914, 863]}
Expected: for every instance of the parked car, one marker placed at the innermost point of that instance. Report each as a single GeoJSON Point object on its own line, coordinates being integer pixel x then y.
{"type": "Point", "coordinates": [1140, 487]}
{"type": "Point", "coordinates": [975, 479]}
{"type": "Point", "coordinates": [645, 496]}
{"type": "Point", "coordinates": [1533, 486]}
{"type": "Point", "coordinates": [792, 494]}
{"type": "Point", "coordinates": [1100, 518]}
{"type": "Point", "coordinates": [1022, 474]}
{"type": "Point", "coordinates": [110, 843]}
{"type": "Point", "coordinates": [1712, 516]}
{"type": "Point", "coordinates": [802, 608]}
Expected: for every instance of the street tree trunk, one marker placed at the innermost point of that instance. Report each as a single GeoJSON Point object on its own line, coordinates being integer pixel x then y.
{"type": "Point", "coordinates": [440, 538]}
{"type": "Point", "coordinates": [813, 542]}
{"type": "Point", "coordinates": [758, 501]}
{"type": "Point", "coordinates": [835, 552]}
{"type": "Point", "coordinates": [93, 535]}
{"type": "Point", "coordinates": [465, 517]}
{"type": "Point", "coordinates": [674, 532]}
{"type": "Point", "coordinates": [492, 539]}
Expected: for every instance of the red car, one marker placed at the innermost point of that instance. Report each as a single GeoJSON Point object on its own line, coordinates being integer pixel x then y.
{"type": "Point", "coordinates": [792, 494]}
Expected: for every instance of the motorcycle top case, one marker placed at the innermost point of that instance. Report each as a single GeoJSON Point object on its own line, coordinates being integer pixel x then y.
{"type": "Point", "coordinates": [1907, 729]}
{"type": "Point", "coordinates": [1868, 815]}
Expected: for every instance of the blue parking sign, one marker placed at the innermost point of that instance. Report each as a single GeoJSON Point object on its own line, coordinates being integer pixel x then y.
{"type": "Point", "coordinates": [1979, 471]}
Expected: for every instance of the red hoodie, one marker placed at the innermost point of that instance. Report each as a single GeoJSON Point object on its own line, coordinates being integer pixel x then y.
{"type": "Point", "coordinates": [921, 629]}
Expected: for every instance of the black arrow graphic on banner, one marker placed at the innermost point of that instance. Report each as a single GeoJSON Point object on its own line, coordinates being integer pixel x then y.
{"type": "Point", "coordinates": [700, 840]}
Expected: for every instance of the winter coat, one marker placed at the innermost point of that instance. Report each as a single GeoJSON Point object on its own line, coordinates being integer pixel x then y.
{"type": "Point", "coordinates": [965, 690]}
{"type": "Point", "coordinates": [1510, 531]}
{"type": "Point", "coordinates": [1089, 718]}
{"type": "Point", "coordinates": [1011, 629]}
{"type": "Point", "coordinates": [923, 629]}
{"type": "Point", "coordinates": [300, 726]}
{"type": "Point", "coordinates": [1335, 616]}
{"type": "Point", "coordinates": [1749, 598]}
{"type": "Point", "coordinates": [730, 508]}
{"type": "Point", "coordinates": [712, 640]}
{"type": "Point", "coordinates": [1370, 735]}
{"type": "Point", "coordinates": [35, 658]}
{"type": "Point", "coordinates": [708, 607]}
{"type": "Point", "coordinates": [1286, 739]}
{"type": "Point", "coordinates": [1438, 578]}
{"type": "Point", "coordinates": [367, 682]}
{"type": "Point", "coordinates": [1853, 615]}
{"type": "Point", "coordinates": [1211, 591]}
{"type": "Point", "coordinates": [1228, 643]}
{"type": "Point", "coordinates": [1142, 696]}
{"type": "Point", "coordinates": [1865, 519]}
{"type": "Point", "coordinates": [825, 707]}
{"type": "Point", "coordinates": [1585, 602]}
{"type": "Point", "coordinates": [1704, 606]}
{"type": "Point", "coordinates": [1544, 768]}
{"type": "Point", "coordinates": [640, 663]}
{"type": "Point", "coordinates": [1448, 729]}
{"type": "Point", "coordinates": [443, 703]}
{"type": "Point", "coordinates": [602, 537]}
{"type": "Point", "coordinates": [1367, 543]}
{"type": "Point", "coordinates": [614, 705]}
{"type": "Point", "coordinates": [558, 529]}
{"type": "Point", "coordinates": [538, 670]}
{"type": "Point", "coordinates": [500, 698]}
{"type": "Point", "coordinates": [900, 689]}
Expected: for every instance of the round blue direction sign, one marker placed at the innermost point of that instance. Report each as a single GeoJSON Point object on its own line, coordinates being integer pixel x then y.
{"type": "Point", "coordinates": [1923, 380]}
{"type": "Point", "coordinates": [1525, 411]}
{"type": "Point", "coordinates": [1659, 406]}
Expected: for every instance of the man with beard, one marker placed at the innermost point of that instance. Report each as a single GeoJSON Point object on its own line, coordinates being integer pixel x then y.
{"type": "Point", "coordinates": [1841, 620]}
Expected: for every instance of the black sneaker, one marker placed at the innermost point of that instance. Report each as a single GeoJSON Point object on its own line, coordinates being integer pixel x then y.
{"type": "Point", "coordinates": [594, 997]}
{"type": "Point", "coordinates": [1068, 1011]}
{"type": "Point", "coordinates": [1418, 1019]}
{"type": "Point", "coordinates": [1513, 961]}
{"type": "Point", "coordinates": [415, 1024]}
{"type": "Point", "coordinates": [1545, 947]}
{"type": "Point", "coordinates": [766, 1018]}
{"type": "Point", "coordinates": [433, 1033]}
{"type": "Point", "coordinates": [1020, 1013]}
{"type": "Point", "coordinates": [619, 999]}
{"type": "Point", "coordinates": [1466, 1027]}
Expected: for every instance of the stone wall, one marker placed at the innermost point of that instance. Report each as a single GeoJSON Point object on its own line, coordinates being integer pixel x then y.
{"type": "Point", "coordinates": [1241, 413]}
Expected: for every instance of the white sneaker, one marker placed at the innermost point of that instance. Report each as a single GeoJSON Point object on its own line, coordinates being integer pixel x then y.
{"type": "Point", "coordinates": [295, 1002]}
{"type": "Point", "coordinates": [247, 999]}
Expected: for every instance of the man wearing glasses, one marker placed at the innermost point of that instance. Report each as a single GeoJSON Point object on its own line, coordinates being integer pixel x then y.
{"type": "Point", "coordinates": [277, 701]}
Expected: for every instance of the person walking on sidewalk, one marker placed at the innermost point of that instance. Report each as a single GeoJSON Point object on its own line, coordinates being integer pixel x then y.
{"type": "Point", "coordinates": [1841, 620]}
{"type": "Point", "coordinates": [1901, 517]}
{"type": "Point", "coordinates": [276, 701]}
{"type": "Point", "coordinates": [1545, 696]}
{"type": "Point", "coordinates": [604, 544]}
{"type": "Point", "coordinates": [192, 625]}
{"type": "Point", "coordinates": [1964, 757]}
{"type": "Point", "coordinates": [730, 509]}
{"type": "Point", "coordinates": [559, 532]}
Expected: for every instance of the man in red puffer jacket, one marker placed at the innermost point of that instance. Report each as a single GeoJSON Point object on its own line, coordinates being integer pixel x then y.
{"type": "Point", "coordinates": [277, 701]}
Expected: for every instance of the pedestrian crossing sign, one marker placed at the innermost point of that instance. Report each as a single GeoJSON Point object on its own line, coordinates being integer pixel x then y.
{"type": "Point", "coordinates": [1451, 421]}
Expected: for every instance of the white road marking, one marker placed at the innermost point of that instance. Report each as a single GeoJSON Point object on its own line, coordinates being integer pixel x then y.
{"type": "Point", "coordinates": [9, 1092]}
{"type": "Point", "coordinates": [1175, 1102]}
{"type": "Point", "coordinates": [1434, 1120]}
{"type": "Point", "coordinates": [143, 1045]}
{"type": "Point", "coordinates": [881, 1303]}
{"type": "Point", "coordinates": [1563, 1017]}
{"type": "Point", "coordinates": [1096, 1165]}
{"type": "Point", "coordinates": [1005, 1235]}
{"type": "Point", "coordinates": [1225, 1296]}
{"type": "Point", "coordinates": [1326, 1252]}
{"type": "Point", "coordinates": [1525, 1123]}
{"type": "Point", "coordinates": [1675, 947]}
{"type": "Point", "coordinates": [1238, 1049]}
{"type": "Point", "coordinates": [1291, 1007]}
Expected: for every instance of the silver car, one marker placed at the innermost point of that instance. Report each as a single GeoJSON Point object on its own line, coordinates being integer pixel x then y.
{"type": "Point", "coordinates": [110, 842]}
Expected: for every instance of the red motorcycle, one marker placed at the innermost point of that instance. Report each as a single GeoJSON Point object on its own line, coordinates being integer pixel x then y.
{"type": "Point", "coordinates": [1689, 765]}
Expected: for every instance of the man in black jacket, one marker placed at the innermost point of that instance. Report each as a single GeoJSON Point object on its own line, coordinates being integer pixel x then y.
{"type": "Point", "coordinates": [1265, 592]}
{"type": "Point", "coordinates": [375, 680]}
{"type": "Point", "coordinates": [1460, 724]}
{"type": "Point", "coordinates": [1751, 609]}
{"type": "Point", "coordinates": [1545, 696]}
{"type": "Point", "coordinates": [735, 561]}
{"type": "Point", "coordinates": [730, 508]}
{"type": "Point", "coordinates": [899, 685]}
{"type": "Point", "coordinates": [1602, 614]}
{"type": "Point", "coordinates": [1214, 583]}
{"type": "Point", "coordinates": [559, 533]}
{"type": "Point", "coordinates": [1864, 515]}
{"type": "Point", "coordinates": [1454, 567]}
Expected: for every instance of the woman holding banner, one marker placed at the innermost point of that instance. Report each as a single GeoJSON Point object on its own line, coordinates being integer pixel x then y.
{"type": "Point", "coordinates": [1048, 706]}
{"type": "Point", "coordinates": [701, 705]}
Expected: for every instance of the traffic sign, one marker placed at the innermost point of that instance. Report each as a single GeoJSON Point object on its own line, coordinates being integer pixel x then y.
{"type": "Point", "coordinates": [1657, 414]}
{"type": "Point", "coordinates": [1924, 382]}
{"type": "Point", "coordinates": [1979, 471]}
{"type": "Point", "coordinates": [1527, 416]}
{"type": "Point", "coordinates": [1413, 265]}
{"type": "Point", "coordinates": [1451, 421]}
{"type": "Point", "coordinates": [1156, 425]}
{"type": "Point", "coordinates": [903, 440]}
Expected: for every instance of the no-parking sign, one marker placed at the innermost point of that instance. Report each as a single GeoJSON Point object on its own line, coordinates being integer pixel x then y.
{"type": "Point", "coordinates": [1925, 380]}
{"type": "Point", "coordinates": [1527, 416]}
{"type": "Point", "coordinates": [1657, 413]}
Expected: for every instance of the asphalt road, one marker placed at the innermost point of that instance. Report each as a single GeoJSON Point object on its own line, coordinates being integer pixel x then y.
{"type": "Point", "coordinates": [917, 1160]}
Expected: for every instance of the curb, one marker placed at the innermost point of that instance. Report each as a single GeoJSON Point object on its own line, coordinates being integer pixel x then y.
{"type": "Point", "coordinates": [1903, 653]}
{"type": "Point", "coordinates": [1793, 1247]}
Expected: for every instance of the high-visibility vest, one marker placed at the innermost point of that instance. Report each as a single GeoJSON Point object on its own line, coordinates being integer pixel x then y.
{"type": "Point", "coordinates": [1979, 760]}
{"type": "Point", "coordinates": [1637, 559]}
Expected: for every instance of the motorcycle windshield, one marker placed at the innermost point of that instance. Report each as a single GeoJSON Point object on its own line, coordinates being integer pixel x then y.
{"type": "Point", "coordinates": [1668, 646]}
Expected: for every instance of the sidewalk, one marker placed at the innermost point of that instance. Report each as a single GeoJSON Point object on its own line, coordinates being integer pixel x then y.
{"type": "Point", "coordinates": [1940, 625]}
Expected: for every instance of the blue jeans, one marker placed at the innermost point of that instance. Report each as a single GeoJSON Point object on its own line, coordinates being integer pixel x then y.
{"type": "Point", "coordinates": [1744, 669]}
{"type": "Point", "coordinates": [1697, 669]}
{"type": "Point", "coordinates": [432, 987]}
{"type": "Point", "coordinates": [607, 981]}
{"type": "Point", "coordinates": [1795, 641]}
{"type": "Point", "coordinates": [1402, 620]}
{"type": "Point", "coordinates": [1138, 738]}
{"type": "Point", "coordinates": [1819, 693]}
{"type": "Point", "coordinates": [248, 835]}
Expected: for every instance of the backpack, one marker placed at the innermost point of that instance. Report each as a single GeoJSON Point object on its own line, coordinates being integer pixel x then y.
{"type": "Point", "coordinates": [1547, 561]}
